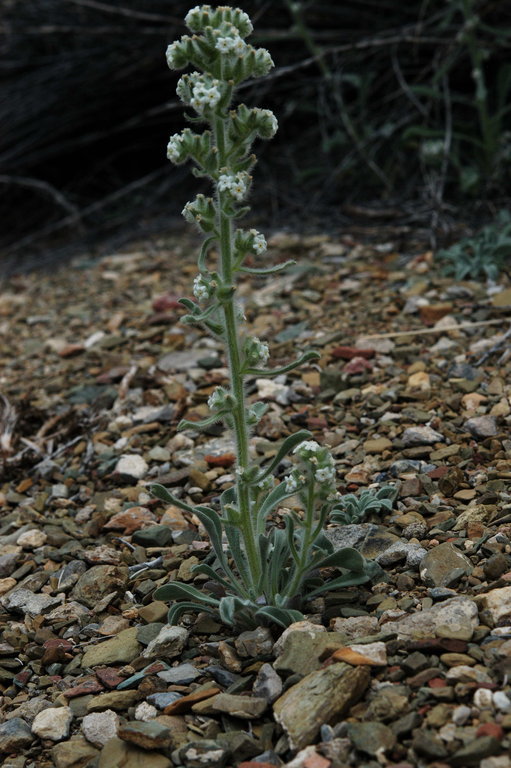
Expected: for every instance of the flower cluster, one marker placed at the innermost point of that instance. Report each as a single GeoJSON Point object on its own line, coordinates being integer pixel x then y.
{"type": "Point", "coordinates": [202, 289]}
{"type": "Point", "coordinates": [320, 460]}
{"type": "Point", "coordinates": [269, 121]}
{"type": "Point", "coordinates": [175, 148]}
{"type": "Point", "coordinates": [258, 242]}
{"type": "Point", "coordinates": [294, 481]}
{"type": "Point", "coordinates": [204, 15]}
{"type": "Point", "coordinates": [256, 351]}
{"type": "Point", "coordinates": [204, 96]}
{"type": "Point", "coordinates": [236, 184]}
{"type": "Point", "coordinates": [217, 400]}
{"type": "Point", "coordinates": [232, 44]}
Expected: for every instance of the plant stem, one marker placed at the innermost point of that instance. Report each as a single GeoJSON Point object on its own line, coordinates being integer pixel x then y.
{"type": "Point", "coordinates": [246, 523]}
{"type": "Point", "coordinates": [307, 540]}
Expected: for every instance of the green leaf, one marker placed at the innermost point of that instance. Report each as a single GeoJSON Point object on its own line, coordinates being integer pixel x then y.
{"type": "Point", "coordinates": [286, 447]}
{"type": "Point", "coordinates": [202, 424]}
{"type": "Point", "coordinates": [162, 493]}
{"type": "Point", "coordinates": [177, 610]}
{"type": "Point", "coordinates": [267, 270]}
{"type": "Point", "coordinates": [281, 616]}
{"type": "Point", "coordinates": [263, 372]}
{"type": "Point", "coordinates": [201, 263]}
{"type": "Point", "coordinates": [274, 498]}
{"type": "Point", "coordinates": [176, 590]}
{"type": "Point", "coordinates": [347, 558]}
{"type": "Point", "coordinates": [348, 580]}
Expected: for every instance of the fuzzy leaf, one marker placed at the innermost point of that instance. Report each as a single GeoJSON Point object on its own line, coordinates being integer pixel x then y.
{"type": "Point", "coordinates": [286, 447]}
{"type": "Point", "coordinates": [267, 270]}
{"type": "Point", "coordinates": [162, 493]}
{"type": "Point", "coordinates": [176, 589]}
{"type": "Point", "coordinates": [262, 372]}
{"type": "Point", "coordinates": [273, 499]}
{"type": "Point", "coordinates": [281, 616]}
{"type": "Point", "coordinates": [346, 558]}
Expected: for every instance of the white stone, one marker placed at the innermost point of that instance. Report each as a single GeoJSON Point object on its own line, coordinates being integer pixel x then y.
{"type": "Point", "coordinates": [272, 390]}
{"type": "Point", "coordinates": [53, 723]}
{"type": "Point", "coordinates": [461, 714]}
{"type": "Point", "coordinates": [32, 539]}
{"type": "Point", "coordinates": [497, 606]}
{"type": "Point", "coordinates": [100, 727]}
{"type": "Point", "coordinates": [483, 699]}
{"type": "Point", "coordinates": [145, 712]}
{"type": "Point", "coordinates": [132, 465]}
{"type": "Point", "coordinates": [501, 701]}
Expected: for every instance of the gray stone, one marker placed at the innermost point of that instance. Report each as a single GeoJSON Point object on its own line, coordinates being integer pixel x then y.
{"type": "Point", "coordinates": [122, 648]}
{"type": "Point", "coordinates": [371, 540]}
{"type": "Point", "coordinates": [372, 738]}
{"type": "Point", "coordinates": [321, 697]}
{"type": "Point", "coordinates": [388, 704]}
{"type": "Point", "coordinates": [256, 642]}
{"type": "Point", "coordinates": [118, 700]}
{"type": "Point", "coordinates": [69, 574]}
{"type": "Point", "coordinates": [421, 436]}
{"type": "Point", "coordinates": [413, 554]}
{"type": "Point", "coordinates": [184, 674]}
{"type": "Point", "coordinates": [27, 602]}
{"type": "Point", "coordinates": [53, 723]}
{"type": "Point", "coordinates": [15, 736]}
{"type": "Point", "coordinates": [200, 754]}
{"type": "Point", "coordinates": [181, 361]}
{"type": "Point", "coordinates": [100, 581]}
{"type": "Point", "coordinates": [163, 699]}
{"type": "Point", "coordinates": [481, 427]}
{"type": "Point", "coordinates": [456, 618]}
{"type": "Point", "coordinates": [268, 684]}
{"type": "Point", "coordinates": [444, 565]}
{"type": "Point", "coordinates": [426, 744]}
{"type": "Point", "coordinates": [355, 626]}
{"type": "Point", "coordinates": [245, 707]}
{"type": "Point", "coordinates": [169, 642]}
{"type": "Point", "coordinates": [29, 709]}
{"type": "Point", "coordinates": [473, 752]}
{"type": "Point", "coordinates": [100, 727]}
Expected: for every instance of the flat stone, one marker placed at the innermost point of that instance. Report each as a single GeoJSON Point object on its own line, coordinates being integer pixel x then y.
{"type": "Point", "coordinates": [373, 738]}
{"type": "Point", "coordinates": [119, 754]}
{"type": "Point", "coordinates": [268, 684]}
{"type": "Point", "coordinates": [53, 723]}
{"type": "Point", "coordinates": [145, 735]}
{"type": "Point", "coordinates": [163, 699]}
{"type": "Point", "coordinates": [98, 582]}
{"type": "Point", "coordinates": [481, 427]}
{"type": "Point", "coordinates": [355, 626]}
{"type": "Point", "coordinates": [202, 754]}
{"type": "Point", "coordinates": [26, 602]}
{"type": "Point", "coordinates": [443, 565]}
{"type": "Point", "coordinates": [130, 520]}
{"type": "Point", "coordinates": [473, 752]}
{"type": "Point", "coordinates": [169, 642]}
{"type": "Point", "coordinates": [455, 618]}
{"type": "Point", "coordinates": [301, 651]}
{"type": "Point", "coordinates": [100, 727]}
{"type": "Point", "coordinates": [183, 674]}
{"type": "Point", "coordinates": [154, 536]}
{"type": "Point", "coordinates": [122, 648]}
{"type": "Point", "coordinates": [377, 445]}
{"type": "Point", "coordinates": [322, 696]}
{"type": "Point", "coordinates": [413, 436]}
{"type": "Point", "coordinates": [32, 539]}
{"type": "Point", "coordinates": [75, 753]}
{"type": "Point", "coordinates": [118, 700]}
{"type": "Point", "coordinates": [245, 707]}
{"type": "Point", "coordinates": [477, 513]}
{"type": "Point", "coordinates": [369, 654]}
{"type": "Point", "coordinates": [15, 736]}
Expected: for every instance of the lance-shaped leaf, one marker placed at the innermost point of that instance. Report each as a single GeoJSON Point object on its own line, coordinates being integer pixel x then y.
{"type": "Point", "coordinates": [164, 494]}
{"type": "Point", "coordinates": [267, 270]}
{"type": "Point", "coordinates": [260, 372]}
{"type": "Point", "coordinates": [176, 590]}
{"type": "Point", "coordinates": [203, 423]}
{"type": "Point", "coordinates": [177, 610]}
{"type": "Point", "coordinates": [229, 586]}
{"type": "Point", "coordinates": [281, 616]}
{"type": "Point", "coordinates": [347, 558]}
{"type": "Point", "coordinates": [285, 449]}
{"type": "Point", "coordinates": [276, 495]}
{"type": "Point", "coordinates": [348, 580]}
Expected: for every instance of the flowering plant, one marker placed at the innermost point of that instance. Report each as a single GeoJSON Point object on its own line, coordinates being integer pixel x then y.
{"type": "Point", "coordinates": [262, 569]}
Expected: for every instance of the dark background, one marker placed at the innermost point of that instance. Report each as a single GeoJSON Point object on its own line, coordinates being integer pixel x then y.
{"type": "Point", "coordinates": [388, 111]}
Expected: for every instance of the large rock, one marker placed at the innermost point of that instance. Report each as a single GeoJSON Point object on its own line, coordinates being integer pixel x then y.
{"type": "Point", "coordinates": [169, 642]}
{"type": "Point", "coordinates": [53, 723]}
{"type": "Point", "coordinates": [15, 736]}
{"type": "Point", "coordinates": [301, 651]}
{"type": "Point", "coordinates": [27, 602]}
{"type": "Point", "coordinates": [455, 618]}
{"type": "Point", "coordinates": [100, 727]}
{"type": "Point", "coordinates": [321, 697]}
{"type": "Point", "coordinates": [122, 648]}
{"type": "Point", "coordinates": [245, 707]}
{"type": "Point", "coordinates": [444, 565]}
{"type": "Point", "coordinates": [75, 753]}
{"type": "Point", "coordinates": [98, 582]}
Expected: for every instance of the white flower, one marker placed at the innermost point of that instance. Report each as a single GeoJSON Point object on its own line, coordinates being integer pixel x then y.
{"type": "Point", "coordinates": [291, 484]}
{"type": "Point", "coordinates": [235, 184]}
{"type": "Point", "coordinates": [205, 96]}
{"type": "Point", "coordinates": [307, 446]}
{"type": "Point", "coordinates": [325, 475]}
{"type": "Point", "coordinates": [239, 46]}
{"type": "Point", "coordinates": [201, 289]}
{"type": "Point", "coordinates": [223, 44]}
{"type": "Point", "coordinates": [258, 242]}
{"type": "Point", "coordinates": [190, 18]}
{"type": "Point", "coordinates": [174, 147]}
